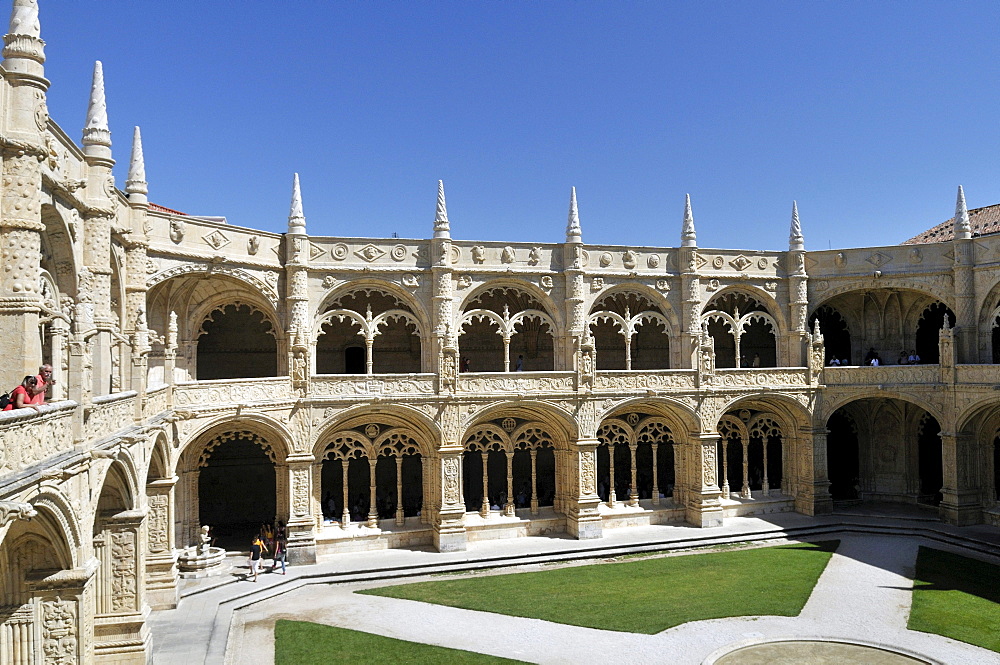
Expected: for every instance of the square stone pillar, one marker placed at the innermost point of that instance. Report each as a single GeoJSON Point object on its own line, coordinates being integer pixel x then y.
{"type": "Point", "coordinates": [808, 453]}
{"type": "Point", "coordinates": [703, 505]}
{"type": "Point", "coordinates": [582, 517]}
{"type": "Point", "coordinates": [63, 603]}
{"type": "Point", "coordinates": [161, 551]}
{"type": "Point", "coordinates": [120, 631]}
{"type": "Point", "coordinates": [301, 522]}
{"type": "Point", "coordinates": [960, 502]}
{"type": "Point", "coordinates": [449, 527]}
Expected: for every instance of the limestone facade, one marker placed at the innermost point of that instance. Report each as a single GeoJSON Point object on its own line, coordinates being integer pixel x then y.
{"type": "Point", "coordinates": [377, 393]}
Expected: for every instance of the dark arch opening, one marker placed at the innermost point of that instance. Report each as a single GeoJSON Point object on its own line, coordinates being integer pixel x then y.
{"type": "Point", "coordinates": [236, 492]}
{"type": "Point", "coordinates": [930, 324]}
{"type": "Point", "coordinates": [843, 461]}
{"type": "Point", "coordinates": [929, 461]}
{"type": "Point", "coordinates": [836, 336]}
{"type": "Point", "coordinates": [237, 342]}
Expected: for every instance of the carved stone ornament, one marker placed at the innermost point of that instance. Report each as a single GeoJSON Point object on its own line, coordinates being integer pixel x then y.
{"type": "Point", "coordinates": [370, 253]}
{"type": "Point", "coordinates": [339, 251]}
{"type": "Point", "coordinates": [653, 261]}
{"type": "Point", "coordinates": [740, 263]}
{"type": "Point", "coordinates": [330, 281]}
{"type": "Point", "coordinates": [450, 472]}
{"type": "Point", "coordinates": [718, 262]}
{"type": "Point", "coordinates": [398, 253]}
{"type": "Point", "coordinates": [546, 282]}
{"type": "Point", "coordinates": [761, 264]}
{"type": "Point", "coordinates": [534, 256]}
{"type": "Point", "coordinates": [879, 259]}
{"type": "Point", "coordinates": [605, 259]}
{"type": "Point", "coordinates": [629, 259]}
{"type": "Point", "coordinates": [663, 285]}
{"type": "Point", "coordinates": [177, 230]}
{"type": "Point", "coordinates": [713, 285]}
{"type": "Point", "coordinates": [478, 254]}
{"type": "Point", "coordinates": [216, 239]}
{"type": "Point", "coordinates": [315, 252]}
{"type": "Point", "coordinates": [253, 245]}
{"type": "Point", "coordinates": [915, 255]}
{"type": "Point", "coordinates": [597, 284]}
{"type": "Point", "coordinates": [13, 510]}
{"type": "Point", "coordinates": [465, 281]}
{"type": "Point", "coordinates": [507, 254]}
{"type": "Point", "coordinates": [410, 281]}
{"type": "Point", "coordinates": [588, 472]}
{"type": "Point", "coordinates": [840, 259]}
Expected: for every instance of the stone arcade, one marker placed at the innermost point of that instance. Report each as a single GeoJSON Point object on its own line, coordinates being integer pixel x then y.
{"type": "Point", "coordinates": [378, 393]}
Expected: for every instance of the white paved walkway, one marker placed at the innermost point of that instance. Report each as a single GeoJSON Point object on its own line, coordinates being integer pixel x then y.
{"type": "Point", "coordinates": [863, 596]}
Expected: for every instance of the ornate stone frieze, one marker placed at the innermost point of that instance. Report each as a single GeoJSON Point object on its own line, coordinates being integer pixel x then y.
{"type": "Point", "coordinates": [588, 472]}
{"type": "Point", "coordinates": [107, 417]}
{"type": "Point", "coordinates": [238, 392]}
{"type": "Point", "coordinates": [382, 385]}
{"type": "Point", "coordinates": [661, 380]}
{"type": "Point", "coordinates": [123, 582]}
{"type": "Point", "coordinates": [27, 440]}
{"type": "Point", "coordinates": [158, 525]}
{"type": "Point", "coordinates": [515, 384]}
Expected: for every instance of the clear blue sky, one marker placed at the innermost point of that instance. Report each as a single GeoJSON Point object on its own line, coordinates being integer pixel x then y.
{"type": "Point", "coordinates": [870, 114]}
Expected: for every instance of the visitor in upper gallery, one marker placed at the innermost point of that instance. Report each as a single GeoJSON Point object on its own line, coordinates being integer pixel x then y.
{"type": "Point", "coordinates": [903, 359]}
{"type": "Point", "coordinates": [44, 379]}
{"type": "Point", "coordinates": [21, 396]}
{"type": "Point", "coordinates": [834, 362]}
{"type": "Point", "coordinates": [913, 359]}
{"type": "Point", "coordinates": [872, 358]}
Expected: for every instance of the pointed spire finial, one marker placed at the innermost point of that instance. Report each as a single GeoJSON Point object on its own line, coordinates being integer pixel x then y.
{"type": "Point", "coordinates": [573, 231]}
{"type": "Point", "coordinates": [296, 219]}
{"type": "Point", "coordinates": [97, 132]}
{"type": "Point", "coordinates": [963, 229]}
{"type": "Point", "coordinates": [24, 50]}
{"type": "Point", "coordinates": [442, 228]}
{"type": "Point", "coordinates": [24, 19]}
{"type": "Point", "coordinates": [136, 186]}
{"type": "Point", "coordinates": [688, 236]}
{"type": "Point", "coordinates": [796, 243]}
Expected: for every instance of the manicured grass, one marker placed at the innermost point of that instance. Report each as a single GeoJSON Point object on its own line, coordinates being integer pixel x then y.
{"type": "Point", "coordinates": [645, 596]}
{"type": "Point", "coordinates": [304, 643]}
{"type": "Point", "coordinates": [956, 597]}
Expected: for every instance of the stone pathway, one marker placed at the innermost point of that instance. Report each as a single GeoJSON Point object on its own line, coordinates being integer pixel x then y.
{"type": "Point", "coordinates": [863, 596]}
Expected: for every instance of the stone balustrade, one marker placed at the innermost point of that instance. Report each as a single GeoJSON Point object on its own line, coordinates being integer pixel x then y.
{"type": "Point", "coordinates": [190, 394]}
{"type": "Point", "coordinates": [109, 414]}
{"type": "Point", "coordinates": [370, 385]}
{"type": "Point", "coordinates": [489, 383]}
{"type": "Point", "coordinates": [759, 377]}
{"type": "Point", "coordinates": [628, 380]}
{"type": "Point", "coordinates": [882, 375]}
{"type": "Point", "coordinates": [156, 402]}
{"type": "Point", "coordinates": [988, 374]}
{"type": "Point", "coordinates": [28, 437]}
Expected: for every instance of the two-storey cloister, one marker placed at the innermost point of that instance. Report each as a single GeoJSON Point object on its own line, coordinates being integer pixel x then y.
{"type": "Point", "coordinates": [390, 392]}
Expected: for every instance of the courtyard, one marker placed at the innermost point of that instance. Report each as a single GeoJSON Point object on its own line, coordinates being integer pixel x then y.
{"type": "Point", "coordinates": [862, 599]}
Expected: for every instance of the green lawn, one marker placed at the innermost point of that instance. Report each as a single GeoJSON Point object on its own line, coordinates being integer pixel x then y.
{"type": "Point", "coordinates": [956, 597]}
{"type": "Point", "coordinates": [642, 596]}
{"type": "Point", "coordinates": [303, 643]}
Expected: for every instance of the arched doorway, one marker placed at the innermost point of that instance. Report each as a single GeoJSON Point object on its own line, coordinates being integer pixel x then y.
{"type": "Point", "coordinates": [843, 463]}
{"type": "Point", "coordinates": [928, 328]}
{"type": "Point", "coordinates": [237, 341]}
{"type": "Point", "coordinates": [836, 336]}
{"type": "Point", "coordinates": [237, 487]}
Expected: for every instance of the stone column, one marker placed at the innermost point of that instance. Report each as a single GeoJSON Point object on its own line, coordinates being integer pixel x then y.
{"type": "Point", "coordinates": [808, 452]}
{"type": "Point", "coordinates": [965, 300]}
{"type": "Point", "coordinates": [690, 333]}
{"type": "Point", "coordinates": [120, 631]}
{"type": "Point", "coordinates": [161, 557]}
{"type": "Point", "coordinates": [960, 502]}
{"type": "Point", "coordinates": [797, 348]}
{"type": "Point", "coordinates": [703, 506]}
{"type": "Point", "coordinates": [583, 519]}
{"type": "Point", "coordinates": [301, 521]}
{"type": "Point", "coordinates": [449, 528]}
{"type": "Point", "coordinates": [65, 603]}
{"type": "Point", "coordinates": [25, 120]}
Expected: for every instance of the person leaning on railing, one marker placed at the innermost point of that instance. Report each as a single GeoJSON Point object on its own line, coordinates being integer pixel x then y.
{"type": "Point", "coordinates": [22, 396]}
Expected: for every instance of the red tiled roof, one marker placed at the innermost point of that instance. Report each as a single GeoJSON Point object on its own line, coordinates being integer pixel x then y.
{"type": "Point", "coordinates": [983, 221]}
{"type": "Point", "coordinates": [159, 208]}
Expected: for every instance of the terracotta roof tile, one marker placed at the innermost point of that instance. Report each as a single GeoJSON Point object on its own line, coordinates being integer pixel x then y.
{"type": "Point", "coordinates": [983, 220]}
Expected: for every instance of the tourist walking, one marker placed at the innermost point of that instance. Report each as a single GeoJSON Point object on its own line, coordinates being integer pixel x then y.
{"type": "Point", "coordinates": [279, 554]}
{"type": "Point", "coordinates": [257, 549]}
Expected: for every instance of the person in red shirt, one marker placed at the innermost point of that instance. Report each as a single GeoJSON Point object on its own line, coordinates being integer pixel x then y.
{"type": "Point", "coordinates": [22, 395]}
{"type": "Point", "coordinates": [44, 380]}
